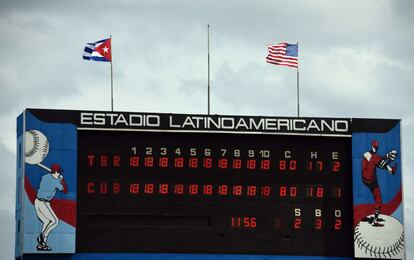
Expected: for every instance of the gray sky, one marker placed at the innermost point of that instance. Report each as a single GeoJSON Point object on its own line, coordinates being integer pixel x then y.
{"type": "Point", "coordinates": [356, 60]}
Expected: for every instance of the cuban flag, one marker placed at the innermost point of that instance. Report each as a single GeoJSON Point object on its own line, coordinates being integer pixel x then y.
{"type": "Point", "coordinates": [98, 51]}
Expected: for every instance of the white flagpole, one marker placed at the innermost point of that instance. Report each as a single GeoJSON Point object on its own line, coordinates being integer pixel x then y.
{"type": "Point", "coordinates": [112, 81]}
{"type": "Point", "coordinates": [297, 81]}
{"type": "Point", "coordinates": [208, 70]}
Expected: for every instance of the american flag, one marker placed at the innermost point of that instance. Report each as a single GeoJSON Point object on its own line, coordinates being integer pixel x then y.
{"type": "Point", "coordinates": [284, 54]}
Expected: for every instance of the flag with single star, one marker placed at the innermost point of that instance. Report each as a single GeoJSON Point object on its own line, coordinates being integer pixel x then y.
{"type": "Point", "coordinates": [98, 51]}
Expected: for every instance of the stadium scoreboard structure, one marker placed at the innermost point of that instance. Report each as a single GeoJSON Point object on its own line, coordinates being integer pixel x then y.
{"type": "Point", "coordinates": [91, 182]}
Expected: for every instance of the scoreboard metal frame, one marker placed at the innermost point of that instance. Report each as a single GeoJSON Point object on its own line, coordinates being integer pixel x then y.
{"type": "Point", "coordinates": [188, 186]}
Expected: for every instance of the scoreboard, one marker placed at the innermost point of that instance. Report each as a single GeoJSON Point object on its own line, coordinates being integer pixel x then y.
{"type": "Point", "coordinates": [214, 193]}
{"type": "Point", "coordinates": [177, 183]}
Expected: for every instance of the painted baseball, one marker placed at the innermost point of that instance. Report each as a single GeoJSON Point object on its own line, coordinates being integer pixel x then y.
{"type": "Point", "coordinates": [385, 241]}
{"type": "Point", "coordinates": [36, 147]}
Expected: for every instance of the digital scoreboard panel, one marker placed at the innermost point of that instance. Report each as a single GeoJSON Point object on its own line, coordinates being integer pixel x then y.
{"type": "Point", "coordinates": [176, 183]}
{"type": "Point", "coordinates": [221, 193]}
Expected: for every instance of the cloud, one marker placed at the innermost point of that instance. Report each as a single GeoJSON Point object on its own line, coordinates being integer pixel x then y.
{"type": "Point", "coordinates": [7, 203]}
{"type": "Point", "coordinates": [7, 234]}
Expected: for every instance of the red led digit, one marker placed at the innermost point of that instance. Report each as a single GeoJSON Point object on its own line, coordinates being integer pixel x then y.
{"type": "Point", "coordinates": [319, 192]}
{"type": "Point", "coordinates": [253, 222]}
{"type": "Point", "coordinates": [298, 223]}
{"type": "Point", "coordinates": [149, 188]}
{"type": "Point", "coordinates": [237, 163]}
{"type": "Point", "coordinates": [251, 164]}
{"type": "Point", "coordinates": [134, 161]}
{"type": "Point", "coordinates": [222, 163]}
{"type": "Point", "coordinates": [292, 165]}
{"type": "Point", "coordinates": [265, 164]}
{"type": "Point", "coordinates": [134, 188]}
{"type": "Point", "coordinates": [336, 192]}
{"type": "Point", "coordinates": [282, 165]}
{"type": "Point", "coordinates": [318, 224]}
{"type": "Point", "coordinates": [208, 189]}
{"type": "Point", "coordinates": [163, 162]}
{"type": "Point", "coordinates": [163, 188]}
{"type": "Point", "coordinates": [338, 224]}
{"type": "Point", "coordinates": [207, 163]}
{"type": "Point", "coordinates": [293, 191]}
{"type": "Point", "coordinates": [265, 191]}
{"type": "Point", "coordinates": [193, 163]}
{"type": "Point", "coordinates": [282, 191]}
{"type": "Point", "coordinates": [179, 162]}
{"type": "Point", "coordinates": [193, 190]}
{"type": "Point", "coordinates": [223, 189]}
{"type": "Point", "coordinates": [319, 165]}
{"type": "Point", "coordinates": [310, 165]}
{"type": "Point", "coordinates": [179, 189]}
{"type": "Point", "coordinates": [251, 190]}
{"type": "Point", "coordinates": [309, 192]}
{"type": "Point", "coordinates": [236, 222]}
{"type": "Point", "coordinates": [149, 161]}
{"type": "Point", "coordinates": [233, 223]}
{"type": "Point", "coordinates": [237, 190]}
{"type": "Point", "coordinates": [336, 166]}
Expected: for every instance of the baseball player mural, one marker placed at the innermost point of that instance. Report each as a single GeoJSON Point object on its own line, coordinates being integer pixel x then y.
{"type": "Point", "coordinates": [49, 184]}
{"type": "Point", "coordinates": [370, 162]}
{"type": "Point", "coordinates": [37, 148]}
{"type": "Point", "coordinates": [50, 199]}
{"type": "Point", "coordinates": [377, 189]}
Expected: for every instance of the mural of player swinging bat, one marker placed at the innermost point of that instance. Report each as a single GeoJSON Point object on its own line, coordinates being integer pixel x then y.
{"type": "Point", "coordinates": [36, 150]}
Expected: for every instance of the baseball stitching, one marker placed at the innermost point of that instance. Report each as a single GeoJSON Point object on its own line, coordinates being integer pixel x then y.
{"type": "Point", "coordinates": [35, 144]}
{"type": "Point", "coordinates": [389, 251]}
{"type": "Point", "coordinates": [45, 150]}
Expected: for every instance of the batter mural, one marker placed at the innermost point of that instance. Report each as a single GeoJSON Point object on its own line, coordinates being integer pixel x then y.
{"type": "Point", "coordinates": [378, 213]}
{"type": "Point", "coordinates": [36, 150]}
{"type": "Point", "coordinates": [50, 201]}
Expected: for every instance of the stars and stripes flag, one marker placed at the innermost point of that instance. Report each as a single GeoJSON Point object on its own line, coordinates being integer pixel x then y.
{"type": "Point", "coordinates": [98, 51]}
{"type": "Point", "coordinates": [283, 54]}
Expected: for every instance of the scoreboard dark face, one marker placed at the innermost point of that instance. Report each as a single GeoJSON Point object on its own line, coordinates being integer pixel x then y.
{"type": "Point", "coordinates": [222, 193]}
{"type": "Point", "coordinates": [167, 183]}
